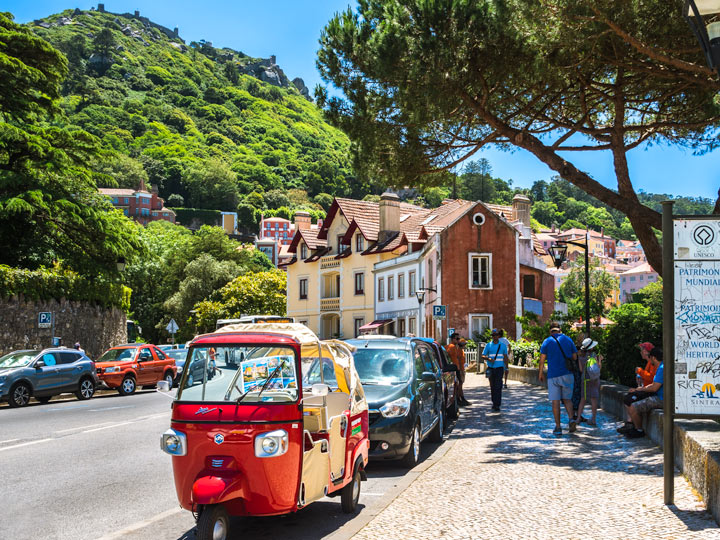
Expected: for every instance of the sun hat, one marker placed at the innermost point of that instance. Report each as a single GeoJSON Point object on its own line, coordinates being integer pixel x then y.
{"type": "Point", "coordinates": [588, 344]}
{"type": "Point", "coordinates": [647, 346]}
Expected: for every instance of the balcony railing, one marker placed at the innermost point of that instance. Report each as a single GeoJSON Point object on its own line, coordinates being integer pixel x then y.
{"type": "Point", "coordinates": [329, 261]}
{"type": "Point", "coordinates": [329, 304]}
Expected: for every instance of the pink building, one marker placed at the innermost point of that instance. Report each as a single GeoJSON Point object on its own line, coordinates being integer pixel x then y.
{"type": "Point", "coordinates": [635, 279]}
{"type": "Point", "coordinates": [139, 204]}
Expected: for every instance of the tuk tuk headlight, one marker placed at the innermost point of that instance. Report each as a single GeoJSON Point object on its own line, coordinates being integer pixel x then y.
{"type": "Point", "coordinates": [399, 407]}
{"type": "Point", "coordinates": [174, 443]}
{"type": "Point", "coordinates": [271, 444]}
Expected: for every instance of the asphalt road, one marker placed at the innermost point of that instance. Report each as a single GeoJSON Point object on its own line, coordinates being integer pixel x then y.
{"type": "Point", "coordinates": [94, 469]}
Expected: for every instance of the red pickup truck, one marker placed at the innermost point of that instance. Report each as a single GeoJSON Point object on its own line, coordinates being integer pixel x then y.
{"type": "Point", "coordinates": [126, 367]}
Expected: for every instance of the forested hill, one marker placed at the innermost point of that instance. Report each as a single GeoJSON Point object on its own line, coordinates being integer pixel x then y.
{"type": "Point", "coordinates": [200, 122]}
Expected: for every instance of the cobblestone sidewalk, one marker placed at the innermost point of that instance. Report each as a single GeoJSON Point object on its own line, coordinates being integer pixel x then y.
{"type": "Point", "coordinates": [507, 477]}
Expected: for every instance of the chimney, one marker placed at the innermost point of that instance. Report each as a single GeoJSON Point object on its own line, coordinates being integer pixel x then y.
{"type": "Point", "coordinates": [521, 209]}
{"type": "Point", "coordinates": [389, 215]}
{"type": "Point", "coordinates": [302, 221]}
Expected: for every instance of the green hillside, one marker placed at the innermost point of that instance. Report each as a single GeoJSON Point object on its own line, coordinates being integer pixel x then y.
{"type": "Point", "coordinates": [196, 120]}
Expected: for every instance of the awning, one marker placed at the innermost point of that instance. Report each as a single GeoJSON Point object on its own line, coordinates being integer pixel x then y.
{"type": "Point", "coordinates": [375, 324]}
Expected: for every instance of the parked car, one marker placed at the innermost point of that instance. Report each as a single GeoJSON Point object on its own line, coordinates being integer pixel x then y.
{"type": "Point", "coordinates": [128, 366]}
{"type": "Point", "coordinates": [451, 386]}
{"type": "Point", "coordinates": [44, 374]}
{"type": "Point", "coordinates": [403, 384]}
{"type": "Point", "coordinates": [197, 367]}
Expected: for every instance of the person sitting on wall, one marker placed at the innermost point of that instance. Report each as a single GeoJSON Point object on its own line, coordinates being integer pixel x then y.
{"type": "Point", "coordinates": [644, 399]}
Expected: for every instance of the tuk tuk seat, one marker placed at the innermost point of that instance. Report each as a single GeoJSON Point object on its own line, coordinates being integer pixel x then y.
{"type": "Point", "coordinates": [316, 416]}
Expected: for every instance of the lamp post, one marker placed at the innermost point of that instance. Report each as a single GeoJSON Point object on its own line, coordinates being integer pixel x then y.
{"type": "Point", "coordinates": [420, 295]}
{"type": "Point", "coordinates": [707, 33]}
{"type": "Point", "coordinates": [558, 252]}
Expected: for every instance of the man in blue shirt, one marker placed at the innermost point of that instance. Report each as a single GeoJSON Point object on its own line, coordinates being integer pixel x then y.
{"type": "Point", "coordinates": [495, 354]}
{"type": "Point", "coordinates": [556, 349]}
{"type": "Point", "coordinates": [651, 397]}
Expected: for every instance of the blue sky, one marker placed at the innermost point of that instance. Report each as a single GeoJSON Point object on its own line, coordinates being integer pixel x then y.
{"type": "Point", "coordinates": [290, 30]}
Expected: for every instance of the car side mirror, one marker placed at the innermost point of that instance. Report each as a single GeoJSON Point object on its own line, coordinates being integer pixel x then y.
{"type": "Point", "coordinates": [428, 377]}
{"type": "Point", "coordinates": [39, 364]}
{"type": "Point", "coordinates": [320, 390]}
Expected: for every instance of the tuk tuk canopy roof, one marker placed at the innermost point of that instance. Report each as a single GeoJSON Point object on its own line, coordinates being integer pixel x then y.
{"type": "Point", "coordinates": [338, 352]}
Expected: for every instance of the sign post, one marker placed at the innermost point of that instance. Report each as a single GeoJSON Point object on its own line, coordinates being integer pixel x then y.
{"type": "Point", "coordinates": [439, 313]}
{"type": "Point", "coordinates": [172, 327]}
{"type": "Point", "coordinates": [691, 325]}
{"type": "Point", "coordinates": [45, 319]}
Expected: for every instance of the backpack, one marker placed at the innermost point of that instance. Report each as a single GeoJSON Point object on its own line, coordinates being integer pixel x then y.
{"type": "Point", "coordinates": [592, 369]}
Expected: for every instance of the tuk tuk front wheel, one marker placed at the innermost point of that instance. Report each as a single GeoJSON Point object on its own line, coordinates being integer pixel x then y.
{"type": "Point", "coordinates": [350, 494]}
{"type": "Point", "coordinates": [213, 523]}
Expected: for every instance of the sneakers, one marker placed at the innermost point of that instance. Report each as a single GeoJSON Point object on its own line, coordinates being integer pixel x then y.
{"type": "Point", "coordinates": [505, 385]}
{"type": "Point", "coordinates": [557, 431]}
{"type": "Point", "coordinates": [635, 433]}
{"type": "Point", "coordinates": [627, 426]}
{"type": "Point", "coordinates": [464, 402]}
{"type": "Point", "coordinates": [572, 427]}
{"type": "Point", "coordinates": [583, 419]}
{"type": "Point", "coordinates": [496, 409]}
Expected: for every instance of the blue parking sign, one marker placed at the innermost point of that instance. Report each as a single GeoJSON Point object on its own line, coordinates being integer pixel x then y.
{"type": "Point", "coordinates": [44, 319]}
{"type": "Point", "coordinates": [439, 313]}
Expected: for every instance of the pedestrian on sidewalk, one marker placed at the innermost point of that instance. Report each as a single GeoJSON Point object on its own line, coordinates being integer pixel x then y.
{"type": "Point", "coordinates": [590, 364]}
{"type": "Point", "coordinates": [506, 341]}
{"type": "Point", "coordinates": [644, 399]}
{"type": "Point", "coordinates": [560, 353]}
{"type": "Point", "coordinates": [457, 357]}
{"type": "Point", "coordinates": [495, 355]}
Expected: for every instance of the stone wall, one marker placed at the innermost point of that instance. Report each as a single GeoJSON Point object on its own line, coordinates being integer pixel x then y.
{"type": "Point", "coordinates": [95, 327]}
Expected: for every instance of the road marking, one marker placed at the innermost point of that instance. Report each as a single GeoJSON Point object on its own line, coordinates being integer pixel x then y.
{"type": "Point", "coordinates": [113, 408]}
{"type": "Point", "coordinates": [141, 524]}
{"type": "Point", "coordinates": [372, 494]}
{"type": "Point", "coordinates": [83, 427]}
{"type": "Point", "coordinates": [108, 427]}
{"type": "Point", "coordinates": [24, 444]}
{"type": "Point", "coordinates": [9, 441]}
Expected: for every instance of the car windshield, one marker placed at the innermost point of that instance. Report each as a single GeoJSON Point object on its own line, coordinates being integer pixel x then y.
{"type": "Point", "coordinates": [118, 355]}
{"type": "Point", "coordinates": [383, 366]}
{"type": "Point", "coordinates": [177, 354]}
{"type": "Point", "coordinates": [228, 373]}
{"type": "Point", "coordinates": [17, 359]}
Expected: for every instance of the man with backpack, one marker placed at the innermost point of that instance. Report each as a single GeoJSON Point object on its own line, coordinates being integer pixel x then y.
{"type": "Point", "coordinates": [561, 355]}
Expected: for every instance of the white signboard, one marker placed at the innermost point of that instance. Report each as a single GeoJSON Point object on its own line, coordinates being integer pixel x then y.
{"type": "Point", "coordinates": [697, 239]}
{"type": "Point", "coordinates": [697, 337]}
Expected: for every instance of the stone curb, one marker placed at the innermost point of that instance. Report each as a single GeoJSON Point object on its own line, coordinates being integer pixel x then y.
{"type": "Point", "coordinates": [697, 442]}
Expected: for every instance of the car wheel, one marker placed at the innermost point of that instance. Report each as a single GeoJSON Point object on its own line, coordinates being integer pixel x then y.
{"type": "Point", "coordinates": [350, 494]}
{"type": "Point", "coordinates": [413, 456]}
{"type": "Point", "coordinates": [436, 435]}
{"type": "Point", "coordinates": [44, 399]}
{"type": "Point", "coordinates": [19, 395]}
{"type": "Point", "coordinates": [127, 386]}
{"type": "Point", "coordinates": [86, 389]}
{"type": "Point", "coordinates": [452, 412]}
{"type": "Point", "coordinates": [213, 523]}
{"type": "Point", "coordinates": [169, 379]}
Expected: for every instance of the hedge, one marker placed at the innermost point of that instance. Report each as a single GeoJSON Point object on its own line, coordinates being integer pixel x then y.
{"type": "Point", "coordinates": [56, 283]}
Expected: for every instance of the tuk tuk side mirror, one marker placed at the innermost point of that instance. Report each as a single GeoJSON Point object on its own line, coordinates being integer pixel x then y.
{"type": "Point", "coordinates": [428, 377]}
{"type": "Point", "coordinates": [320, 390]}
{"type": "Point", "coordinates": [163, 386]}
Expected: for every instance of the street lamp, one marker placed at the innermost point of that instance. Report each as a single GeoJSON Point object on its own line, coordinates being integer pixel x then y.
{"type": "Point", "coordinates": [558, 253]}
{"type": "Point", "coordinates": [420, 293]}
{"type": "Point", "coordinates": [708, 35]}
{"type": "Point", "coordinates": [121, 264]}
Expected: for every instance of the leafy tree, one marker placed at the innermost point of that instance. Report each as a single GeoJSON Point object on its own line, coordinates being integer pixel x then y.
{"type": "Point", "coordinates": [572, 290]}
{"type": "Point", "coordinates": [104, 42]}
{"type": "Point", "coordinates": [434, 196]}
{"type": "Point", "coordinates": [50, 209]}
{"type": "Point", "coordinates": [547, 212]}
{"type": "Point", "coordinates": [175, 201]}
{"type": "Point", "coordinates": [324, 200]}
{"type": "Point", "coordinates": [262, 293]}
{"type": "Point", "coordinates": [538, 191]}
{"type": "Point", "coordinates": [248, 217]}
{"type": "Point", "coordinates": [211, 184]}
{"type": "Point", "coordinates": [427, 84]}
{"type": "Point", "coordinates": [119, 170]}
{"type": "Point", "coordinates": [477, 181]}
{"type": "Point", "coordinates": [275, 198]}
{"type": "Point", "coordinates": [634, 323]}
{"type": "Point", "coordinates": [256, 200]}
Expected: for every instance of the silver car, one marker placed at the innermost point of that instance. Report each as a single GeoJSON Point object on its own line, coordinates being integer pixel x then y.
{"type": "Point", "coordinates": [44, 374]}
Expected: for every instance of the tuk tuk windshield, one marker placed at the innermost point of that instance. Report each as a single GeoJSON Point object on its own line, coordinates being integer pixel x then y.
{"type": "Point", "coordinates": [257, 374]}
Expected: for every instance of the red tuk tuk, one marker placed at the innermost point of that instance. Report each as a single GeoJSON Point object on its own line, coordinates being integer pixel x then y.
{"type": "Point", "coordinates": [282, 422]}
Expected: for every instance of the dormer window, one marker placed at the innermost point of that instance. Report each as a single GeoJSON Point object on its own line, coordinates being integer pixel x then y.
{"type": "Point", "coordinates": [303, 251]}
{"type": "Point", "coordinates": [359, 243]}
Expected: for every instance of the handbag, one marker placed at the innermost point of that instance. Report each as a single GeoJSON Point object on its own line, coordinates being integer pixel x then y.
{"type": "Point", "coordinates": [569, 363]}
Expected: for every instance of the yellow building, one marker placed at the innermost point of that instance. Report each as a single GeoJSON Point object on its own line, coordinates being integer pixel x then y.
{"type": "Point", "coordinates": [330, 285]}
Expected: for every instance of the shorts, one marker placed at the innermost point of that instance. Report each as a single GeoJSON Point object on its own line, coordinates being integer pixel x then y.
{"type": "Point", "coordinates": [591, 388]}
{"type": "Point", "coordinates": [634, 397]}
{"type": "Point", "coordinates": [560, 387]}
{"type": "Point", "coordinates": [648, 404]}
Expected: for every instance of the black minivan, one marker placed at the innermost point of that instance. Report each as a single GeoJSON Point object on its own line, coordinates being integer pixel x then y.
{"type": "Point", "coordinates": [402, 379]}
